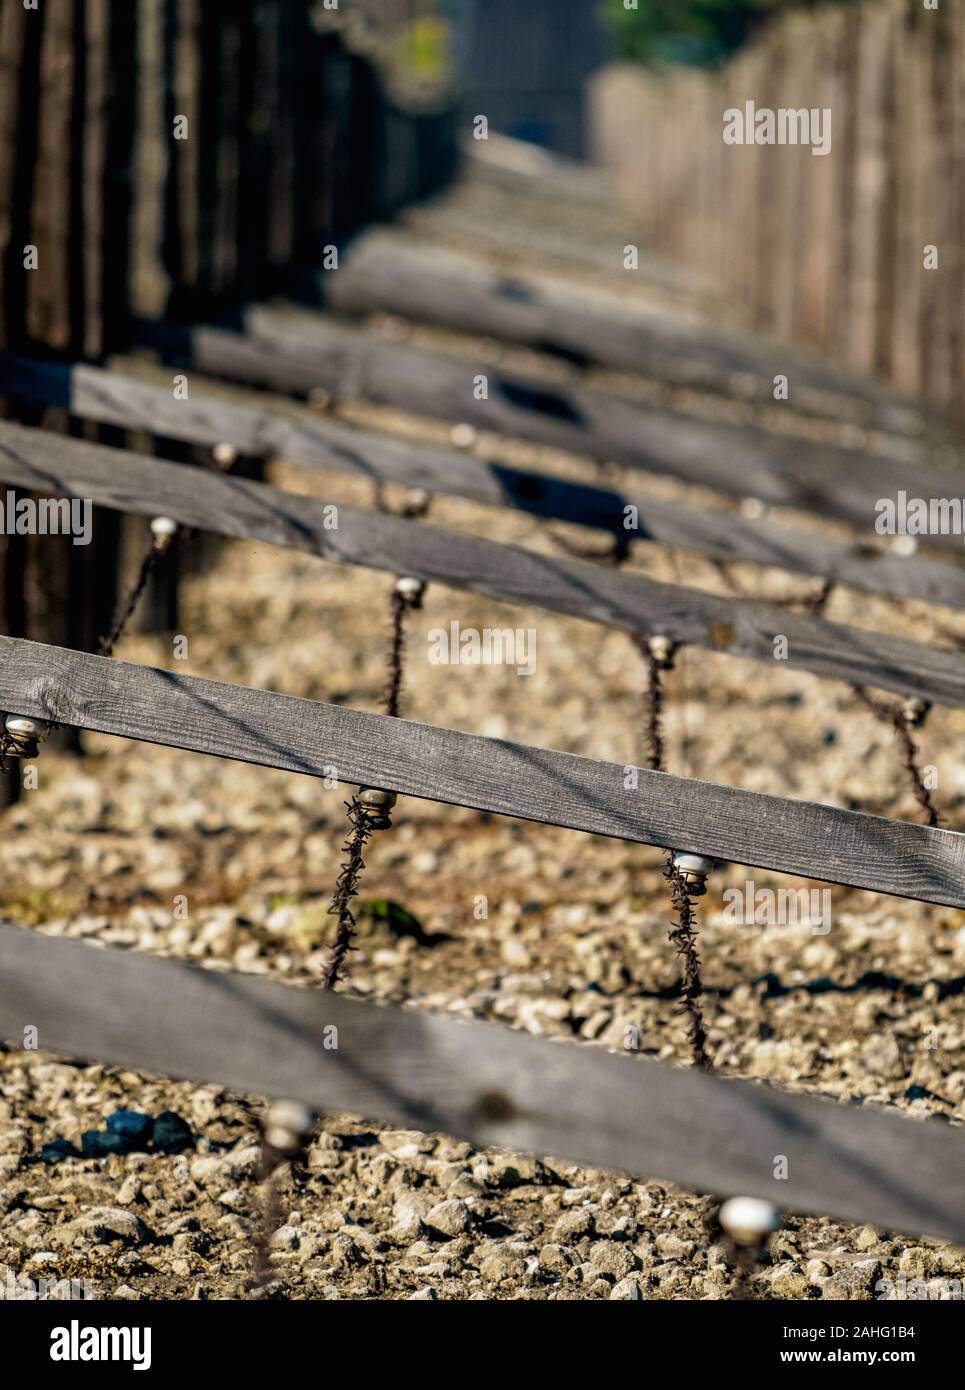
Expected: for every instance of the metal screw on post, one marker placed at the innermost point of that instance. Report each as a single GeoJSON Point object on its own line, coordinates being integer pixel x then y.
{"type": "Point", "coordinates": [915, 712]}
{"type": "Point", "coordinates": [288, 1128]}
{"type": "Point", "coordinates": [747, 1222]}
{"type": "Point", "coordinates": [694, 869]}
{"type": "Point", "coordinates": [225, 455]}
{"type": "Point", "coordinates": [377, 806]}
{"type": "Point", "coordinates": [410, 589]}
{"type": "Point", "coordinates": [23, 736]}
{"type": "Point", "coordinates": [163, 529]}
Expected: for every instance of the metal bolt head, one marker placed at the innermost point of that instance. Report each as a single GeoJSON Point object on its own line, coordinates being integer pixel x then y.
{"type": "Point", "coordinates": [660, 647]}
{"type": "Point", "coordinates": [749, 1220]}
{"type": "Point", "coordinates": [24, 735]}
{"type": "Point", "coordinates": [694, 868]}
{"type": "Point", "coordinates": [915, 712]}
{"type": "Point", "coordinates": [224, 455]}
{"type": "Point", "coordinates": [377, 805]}
{"type": "Point", "coordinates": [19, 726]}
{"type": "Point", "coordinates": [408, 588]}
{"type": "Point", "coordinates": [164, 529]}
{"type": "Point", "coordinates": [288, 1126]}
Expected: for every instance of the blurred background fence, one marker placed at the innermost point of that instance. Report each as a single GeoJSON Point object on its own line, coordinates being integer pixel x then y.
{"type": "Point", "coordinates": [180, 156]}
{"type": "Point", "coordinates": [830, 251]}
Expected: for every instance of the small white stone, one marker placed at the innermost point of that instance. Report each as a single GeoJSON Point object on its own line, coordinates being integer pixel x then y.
{"type": "Point", "coordinates": [748, 1220]}
{"type": "Point", "coordinates": [625, 1289]}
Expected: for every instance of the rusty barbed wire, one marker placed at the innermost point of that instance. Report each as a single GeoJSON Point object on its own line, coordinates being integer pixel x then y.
{"type": "Point", "coordinates": [660, 654]}
{"type": "Point", "coordinates": [368, 811]}
{"type": "Point", "coordinates": [164, 531]}
{"type": "Point", "coordinates": [902, 721]}
{"type": "Point", "coordinates": [406, 598]}
{"type": "Point", "coordinates": [683, 936]}
{"type": "Point", "coordinates": [346, 888]}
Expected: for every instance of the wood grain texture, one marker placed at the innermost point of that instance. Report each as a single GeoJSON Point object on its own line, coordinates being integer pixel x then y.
{"type": "Point", "coordinates": [298, 352]}
{"type": "Point", "coordinates": [485, 1083]}
{"type": "Point", "coordinates": [231, 506]}
{"type": "Point", "coordinates": [484, 774]}
{"type": "Point", "coordinates": [112, 398]}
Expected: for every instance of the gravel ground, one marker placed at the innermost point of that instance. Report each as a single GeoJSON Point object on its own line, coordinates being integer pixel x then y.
{"type": "Point", "coordinates": [573, 944]}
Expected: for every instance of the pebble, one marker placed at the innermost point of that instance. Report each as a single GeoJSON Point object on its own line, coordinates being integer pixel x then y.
{"type": "Point", "coordinates": [451, 1218]}
{"type": "Point", "coordinates": [572, 1225]}
{"type": "Point", "coordinates": [106, 1224]}
{"type": "Point", "coordinates": [626, 1289]}
{"type": "Point", "coordinates": [606, 1257]}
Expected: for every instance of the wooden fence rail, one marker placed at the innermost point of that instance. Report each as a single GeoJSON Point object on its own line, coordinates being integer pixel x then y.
{"type": "Point", "coordinates": [383, 272]}
{"type": "Point", "coordinates": [482, 1082]}
{"type": "Point", "coordinates": [483, 774]}
{"type": "Point", "coordinates": [265, 429]}
{"type": "Point", "coordinates": [230, 506]}
{"type": "Point", "coordinates": [297, 353]}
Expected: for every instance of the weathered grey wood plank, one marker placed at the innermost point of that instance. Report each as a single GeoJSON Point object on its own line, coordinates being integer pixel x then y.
{"type": "Point", "coordinates": [289, 352]}
{"type": "Point", "coordinates": [484, 774]}
{"type": "Point", "coordinates": [248, 510]}
{"type": "Point", "coordinates": [390, 272]}
{"type": "Point", "coordinates": [110, 397]}
{"type": "Point", "coordinates": [232, 506]}
{"type": "Point", "coordinates": [482, 1082]}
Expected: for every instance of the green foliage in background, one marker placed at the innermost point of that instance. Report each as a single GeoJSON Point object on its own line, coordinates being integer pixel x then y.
{"type": "Point", "coordinates": [692, 31]}
{"type": "Point", "coordinates": [422, 50]}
